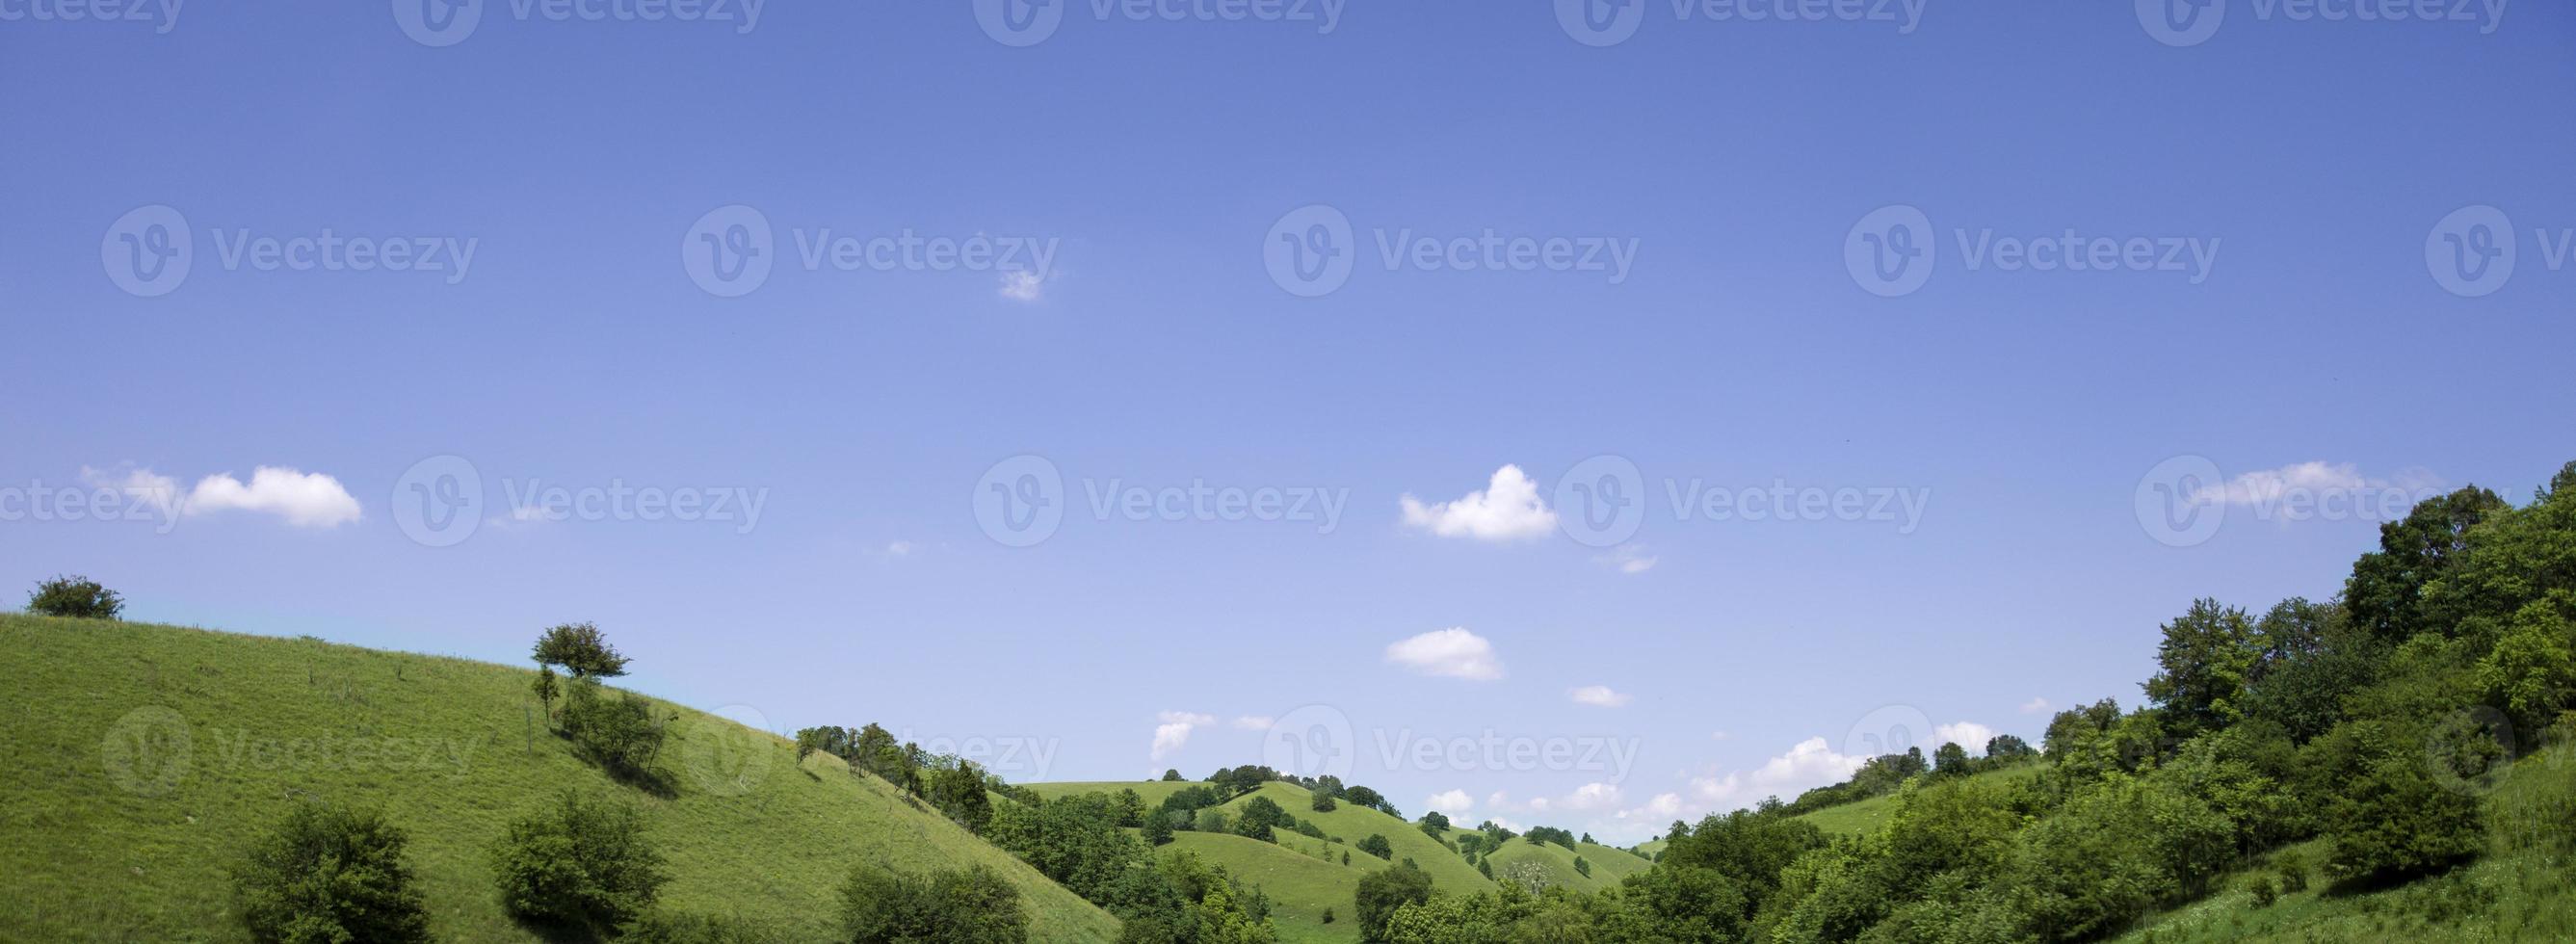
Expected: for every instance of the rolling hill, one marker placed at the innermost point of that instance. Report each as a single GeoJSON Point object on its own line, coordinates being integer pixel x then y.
{"type": "Point", "coordinates": [140, 760]}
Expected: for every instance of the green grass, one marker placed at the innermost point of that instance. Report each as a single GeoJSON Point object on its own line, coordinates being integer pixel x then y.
{"type": "Point", "coordinates": [114, 831]}
{"type": "Point", "coordinates": [1869, 817]}
{"type": "Point", "coordinates": [1300, 886]}
{"type": "Point", "coordinates": [1557, 864]}
{"type": "Point", "coordinates": [2521, 890]}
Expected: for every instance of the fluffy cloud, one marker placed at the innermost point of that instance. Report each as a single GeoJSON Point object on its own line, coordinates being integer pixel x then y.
{"type": "Point", "coordinates": [1599, 696]}
{"type": "Point", "coordinates": [1966, 734]}
{"type": "Point", "coordinates": [899, 549]}
{"type": "Point", "coordinates": [1454, 802]}
{"type": "Point", "coordinates": [304, 500]}
{"type": "Point", "coordinates": [1629, 559]}
{"type": "Point", "coordinates": [2269, 488]}
{"type": "Point", "coordinates": [1509, 509]}
{"type": "Point", "coordinates": [1452, 652]}
{"type": "Point", "coordinates": [2034, 706]}
{"type": "Point", "coordinates": [1175, 729]}
{"type": "Point", "coordinates": [1593, 796]}
{"type": "Point", "coordinates": [1809, 764]}
{"type": "Point", "coordinates": [1023, 285]}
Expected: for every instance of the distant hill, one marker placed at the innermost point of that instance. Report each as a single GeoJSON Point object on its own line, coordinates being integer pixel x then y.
{"type": "Point", "coordinates": [138, 761]}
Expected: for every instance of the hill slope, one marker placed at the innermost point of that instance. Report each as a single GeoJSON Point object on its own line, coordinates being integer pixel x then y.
{"type": "Point", "coordinates": [139, 760]}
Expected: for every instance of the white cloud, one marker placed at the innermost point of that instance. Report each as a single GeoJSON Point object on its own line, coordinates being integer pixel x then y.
{"type": "Point", "coordinates": [1253, 722]}
{"type": "Point", "coordinates": [1023, 285]}
{"type": "Point", "coordinates": [1966, 734]}
{"type": "Point", "coordinates": [1809, 764]}
{"type": "Point", "coordinates": [1509, 509]}
{"type": "Point", "coordinates": [304, 500]}
{"type": "Point", "coordinates": [1175, 729]}
{"type": "Point", "coordinates": [2034, 706]}
{"type": "Point", "coordinates": [1454, 802]}
{"type": "Point", "coordinates": [2309, 481]}
{"type": "Point", "coordinates": [1719, 735]}
{"type": "Point", "coordinates": [1593, 796]}
{"type": "Point", "coordinates": [1452, 652]}
{"type": "Point", "coordinates": [1599, 696]}
{"type": "Point", "coordinates": [1629, 559]}
{"type": "Point", "coordinates": [900, 548]}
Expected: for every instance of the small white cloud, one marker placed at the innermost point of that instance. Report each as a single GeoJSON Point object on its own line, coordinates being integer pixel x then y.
{"type": "Point", "coordinates": [1538, 804]}
{"type": "Point", "coordinates": [1719, 735]}
{"type": "Point", "coordinates": [1174, 731]}
{"type": "Point", "coordinates": [304, 500]}
{"type": "Point", "coordinates": [1808, 764]}
{"type": "Point", "coordinates": [1629, 559]}
{"type": "Point", "coordinates": [141, 486]}
{"type": "Point", "coordinates": [1966, 734]}
{"type": "Point", "coordinates": [1253, 722]}
{"type": "Point", "coordinates": [1023, 285]}
{"type": "Point", "coordinates": [1599, 696]}
{"type": "Point", "coordinates": [1593, 796]}
{"type": "Point", "coordinates": [1454, 802]}
{"type": "Point", "coordinates": [899, 549]}
{"type": "Point", "coordinates": [1509, 509]}
{"type": "Point", "coordinates": [1452, 652]}
{"type": "Point", "coordinates": [2034, 706]}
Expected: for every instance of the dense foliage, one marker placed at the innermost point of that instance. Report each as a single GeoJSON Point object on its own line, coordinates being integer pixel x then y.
{"type": "Point", "coordinates": [329, 875]}
{"type": "Point", "coordinates": [578, 864]}
{"type": "Point", "coordinates": [75, 596]}
{"type": "Point", "coordinates": [581, 650]}
{"type": "Point", "coordinates": [948, 906]}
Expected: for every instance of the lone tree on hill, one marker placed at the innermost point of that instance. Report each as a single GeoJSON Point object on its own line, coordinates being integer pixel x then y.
{"type": "Point", "coordinates": [581, 650]}
{"type": "Point", "coordinates": [75, 596]}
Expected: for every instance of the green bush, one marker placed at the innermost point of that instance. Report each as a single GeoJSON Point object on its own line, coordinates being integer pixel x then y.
{"type": "Point", "coordinates": [666, 927]}
{"type": "Point", "coordinates": [618, 732]}
{"type": "Point", "coordinates": [948, 906]}
{"type": "Point", "coordinates": [2263, 892]}
{"type": "Point", "coordinates": [1383, 891]}
{"type": "Point", "coordinates": [329, 875]}
{"type": "Point", "coordinates": [2293, 869]}
{"type": "Point", "coordinates": [1377, 845]}
{"type": "Point", "coordinates": [578, 863]}
{"type": "Point", "coordinates": [581, 650]}
{"type": "Point", "coordinates": [2397, 821]}
{"type": "Point", "coordinates": [75, 596]}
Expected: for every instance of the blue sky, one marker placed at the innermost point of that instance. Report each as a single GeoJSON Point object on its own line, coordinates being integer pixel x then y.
{"type": "Point", "coordinates": [2291, 225]}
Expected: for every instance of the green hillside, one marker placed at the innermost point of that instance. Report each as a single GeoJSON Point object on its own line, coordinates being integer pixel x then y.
{"type": "Point", "coordinates": [1300, 886]}
{"type": "Point", "coordinates": [1868, 817]}
{"type": "Point", "coordinates": [139, 761]}
{"type": "Point", "coordinates": [1556, 863]}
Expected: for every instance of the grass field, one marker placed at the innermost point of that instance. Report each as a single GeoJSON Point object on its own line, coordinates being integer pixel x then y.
{"type": "Point", "coordinates": [139, 760]}
{"type": "Point", "coordinates": [1557, 862]}
{"type": "Point", "coordinates": [1300, 886]}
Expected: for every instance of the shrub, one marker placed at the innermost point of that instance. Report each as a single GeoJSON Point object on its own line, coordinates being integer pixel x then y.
{"type": "Point", "coordinates": [1328, 916]}
{"type": "Point", "coordinates": [2263, 892]}
{"type": "Point", "coordinates": [329, 875]}
{"type": "Point", "coordinates": [577, 863]}
{"type": "Point", "coordinates": [1324, 802]}
{"type": "Point", "coordinates": [665, 927]}
{"type": "Point", "coordinates": [1377, 845]}
{"type": "Point", "coordinates": [2293, 869]}
{"type": "Point", "coordinates": [948, 906]}
{"type": "Point", "coordinates": [1582, 867]}
{"type": "Point", "coordinates": [75, 596]}
{"type": "Point", "coordinates": [2397, 822]}
{"type": "Point", "coordinates": [1383, 891]}
{"type": "Point", "coordinates": [617, 732]}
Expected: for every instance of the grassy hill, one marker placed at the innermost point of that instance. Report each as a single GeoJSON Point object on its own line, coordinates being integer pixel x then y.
{"type": "Point", "coordinates": [139, 760]}
{"type": "Point", "coordinates": [1300, 886]}
{"type": "Point", "coordinates": [1557, 862]}
{"type": "Point", "coordinates": [1868, 817]}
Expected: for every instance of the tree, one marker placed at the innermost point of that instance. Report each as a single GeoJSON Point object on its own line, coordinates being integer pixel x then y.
{"type": "Point", "coordinates": [2206, 656]}
{"type": "Point", "coordinates": [331, 874]}
{"type": "Point", "coordinates": [1158, 827]}
{"type": "Point", "coordinates": [974, 905]}
{"type": "Point", "coordinates": [1260, 817]}
{"type": "Point", "coordinates": [546, 689]}
{"type": "Point", "coordinates": [1323, 802]}
{"type": "Point", "coordinates": [2530, 671]}
{"type": "Point", "coordinates": [2399, 822]}
{"type": "Point", "coordinates": [1377, 845]}
{"type": "Point", "coordinates": [581, 650]}
{"type": "Point", "coordinates": [1950, 760]}
{"type": "Point", "coordinates": [1582, 867]}
{"type": "Point", "coordinates": [619, 733]}
{"type": "Point", "coordinates": [1171, 776]}
{"type": "Point", "coordinates": [1383, 891]}
{"type": "Point", "coordinates": [579, 864]}
{"type": "Point", "coordinates": [2006, 748]}
{"type": "Point", "coordinates": [77, 597]}
{"type": "Point", "coordinates": [2385, 592]}
{"type": "Point", "coordinates": [1435, 822]}
{"type": "Point", "coordinates": [957, 791]}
